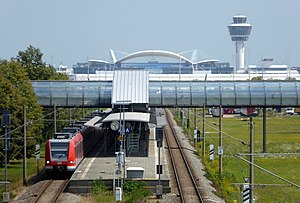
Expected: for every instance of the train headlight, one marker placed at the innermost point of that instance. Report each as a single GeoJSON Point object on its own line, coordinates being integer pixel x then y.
{"type": "Point", "coordinates": [71, 162]}
{"type": "Point", "coordinates": [48, 162]}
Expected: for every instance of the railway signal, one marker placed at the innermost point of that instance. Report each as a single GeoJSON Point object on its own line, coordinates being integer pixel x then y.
{"type": "Point", "coordinates": [159, 139]}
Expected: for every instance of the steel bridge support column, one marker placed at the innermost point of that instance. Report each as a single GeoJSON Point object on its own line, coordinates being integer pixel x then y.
{"type": "Point", "coordinates": [251, 161]}
{"type": "Point", "coordinates": [264, 130]}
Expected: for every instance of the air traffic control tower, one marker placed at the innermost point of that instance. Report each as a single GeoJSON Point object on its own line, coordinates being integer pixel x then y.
{"type": "Point", "coordinates": [239, 31]}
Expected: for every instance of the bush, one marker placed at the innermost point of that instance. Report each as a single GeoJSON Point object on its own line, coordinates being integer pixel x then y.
{"type": "Point", "coordinates": [99, 186]}
{"type": "Point", "coordinates": [135, 190]}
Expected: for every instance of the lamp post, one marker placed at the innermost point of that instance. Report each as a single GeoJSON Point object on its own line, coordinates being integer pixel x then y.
{"type": "Point", "coordinates": [179, 68]}
{"type": "Point", "coordinates": [122, 150]}
{"type": "Point", "coordinates": [88, 70]}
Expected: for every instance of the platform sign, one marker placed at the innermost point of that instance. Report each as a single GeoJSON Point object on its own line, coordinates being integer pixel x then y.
{"type": "Point", "coordinates": [159, 136]}
{"type": "Point", "coordinates": [120, 137]}
{"type": "Point", "coordinates": [159, 133]}
{"type": "Point", "coordinates": [159, 169]}
{"type": "Point", "coordinates": [195, 134]}
{"type": "Point", "coordinates": [198, 136]}
{"type": "Point", "coordinates": [6, 121]}
{"type": "Point", "coordinates": [211, 152]}
{"type": "Point", "coordinates": [37, 152]}
{"type": "Point", "coordinates": [5, 196]}
{"type": "Point", "coordinates": [220, 150]}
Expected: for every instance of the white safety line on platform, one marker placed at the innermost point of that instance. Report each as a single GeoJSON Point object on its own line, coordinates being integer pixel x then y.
{"type": "Point", "coordinates": [89, 165]}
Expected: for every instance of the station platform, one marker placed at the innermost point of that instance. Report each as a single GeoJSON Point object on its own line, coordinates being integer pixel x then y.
{"type": "Point", "coordinates": [96, 166]}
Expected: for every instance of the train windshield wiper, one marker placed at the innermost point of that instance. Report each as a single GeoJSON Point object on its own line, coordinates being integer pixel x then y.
{"type": "Point", "coordinates": [63, 154]}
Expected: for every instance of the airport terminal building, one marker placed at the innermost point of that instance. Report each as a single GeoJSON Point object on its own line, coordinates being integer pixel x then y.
{"type": "Point", "coordinates": [168, 65]}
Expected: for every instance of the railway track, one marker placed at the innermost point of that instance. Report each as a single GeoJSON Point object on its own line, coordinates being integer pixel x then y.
{"type": "Point", "coordinates": [51, 191]}
{"type": "Point", "coordinates": [187, 187]}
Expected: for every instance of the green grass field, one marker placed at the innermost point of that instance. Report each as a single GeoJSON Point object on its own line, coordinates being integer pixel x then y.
{"type": "Point", "coordinates": [283, 136]}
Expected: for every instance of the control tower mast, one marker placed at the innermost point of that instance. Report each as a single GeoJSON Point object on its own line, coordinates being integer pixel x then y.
{"type": "Point", "coordinates": [239, 31]}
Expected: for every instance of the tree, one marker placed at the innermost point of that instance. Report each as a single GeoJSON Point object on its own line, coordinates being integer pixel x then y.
{"type": "Point", "coordinates": [15, 93]}
{"type": "Point", "coordinates": [31, 61]}
{"type": "Point", "coordinates": [258, 78]}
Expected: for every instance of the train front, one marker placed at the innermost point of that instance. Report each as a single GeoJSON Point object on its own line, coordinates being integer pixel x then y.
{"type": "Point", "coordinates": [57, 153]}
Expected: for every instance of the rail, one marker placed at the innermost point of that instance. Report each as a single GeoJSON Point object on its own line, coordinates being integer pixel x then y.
{"type": "Point", "coordinates": [188, 168]}
{"type": "Point", "coordinates": [51, 191]}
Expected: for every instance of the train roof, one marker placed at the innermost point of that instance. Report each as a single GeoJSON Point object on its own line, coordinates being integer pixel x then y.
{"type": "Point", "coordinates": [62, 135]}
{"type": "Point", "coordinates": [92, 122]}
{"type": "Point", "coordinates": [72, 130]}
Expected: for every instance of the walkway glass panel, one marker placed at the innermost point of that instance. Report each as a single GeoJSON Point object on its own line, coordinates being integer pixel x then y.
{"type": "Point", "coordinates": [273, 93]}
{"type": "Point", "coordinates": [75, 93]}
{"type": "Point", "coordinates": [228, 93]}
{"type": "Point", "coordinates": [91, 93]}
{"type": "Point", "coordinates": [169, 94]}
{"type": "Point", "coordinates": [59, 93]}
{"type": "Point", "coordinates": [257, 93]}
{"type": "Point", "coordinates": [242, 93]}
{"type": "Point", "coordinates": [198, 93]}
{"type": "Point", "coordinates": [43, 92]}
{"type": "Point", "coordinates": [289, 93]}
{"type": "Point", "coordinates": [213, 96]}
{"type": "Point", "coordinates": [184, 94]}
{"type": "Point", "coordinates": [155, 93]}
{"type": "Point", "coordinates": [174, 93]}
{"type": "Point", "coordinates": [298, 93]}
{"type": "Point", "coordinates": [105, 94]}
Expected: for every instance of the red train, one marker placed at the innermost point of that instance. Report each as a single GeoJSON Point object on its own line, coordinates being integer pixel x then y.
{"type": "Point", "coordinates": [66, 150]}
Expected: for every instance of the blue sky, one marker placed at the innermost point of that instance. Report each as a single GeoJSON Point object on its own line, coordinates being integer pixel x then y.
{"type": "Point", "coordinates": [73, 31]}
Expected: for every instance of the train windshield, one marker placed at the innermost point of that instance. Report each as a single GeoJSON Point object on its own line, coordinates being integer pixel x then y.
{"type": "Point", "coordinates": [59, 151]}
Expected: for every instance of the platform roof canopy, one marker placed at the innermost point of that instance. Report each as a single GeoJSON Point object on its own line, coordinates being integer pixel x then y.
{"type": "Point", "coordinates": [129, 116]}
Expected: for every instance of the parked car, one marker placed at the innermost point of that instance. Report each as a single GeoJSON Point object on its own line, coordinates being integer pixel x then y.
{"type": "Point", "coordinates": [290, 110]}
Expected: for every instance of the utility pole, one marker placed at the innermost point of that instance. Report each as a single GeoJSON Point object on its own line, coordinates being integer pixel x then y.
{"type": "Point", "coordinates": [195, 119]}
{"type": "Point", "coordinates": [70, 116]}
{"type": "Point", "coordinates": [203, 131]}
{"type": "Point", "coordinates": [24, 151]}
{"type": "Point", "coordinates": [54, 118]}
{"type": "Point", "coordinates": [195, 128]}
{"type": "Point", "coordinates": [220, 151]}
{"type": "Point", "coordinates": [251, 161]}
{"type": "Point", "coordinates": [188, 122]}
